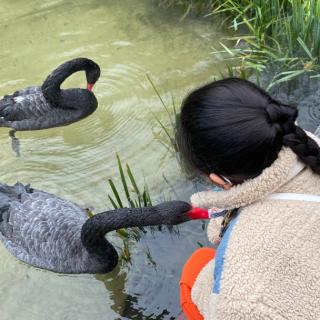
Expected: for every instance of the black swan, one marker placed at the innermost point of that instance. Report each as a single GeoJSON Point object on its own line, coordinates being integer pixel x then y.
{"type": "Point", "coordinates": [52, 233]}
{"type": "Point", "coordinates": [48, 106]}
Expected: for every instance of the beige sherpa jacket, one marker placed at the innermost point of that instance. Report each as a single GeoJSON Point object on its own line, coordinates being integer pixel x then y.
{"type": "Point", "coordinates": [270, 265]}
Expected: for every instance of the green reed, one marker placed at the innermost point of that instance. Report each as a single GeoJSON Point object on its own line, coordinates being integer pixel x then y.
{"type": "Point", "coordinates": [128, 194]}
{"type": "Point", "coordinates": [167, 135]}
{"type": "Point", "coordinates": [134, 196]}
{"type": "Point", "coordinates": [276, 37]}
{"type": "Point", "coordinates": [280, 36]}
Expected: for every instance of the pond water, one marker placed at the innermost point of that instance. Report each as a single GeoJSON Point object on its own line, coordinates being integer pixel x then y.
{"type": "Point", "coordinates": [128, 39]}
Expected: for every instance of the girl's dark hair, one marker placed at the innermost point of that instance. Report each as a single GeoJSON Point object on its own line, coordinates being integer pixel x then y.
{"type": "Point", "coordinates": [234, 128]}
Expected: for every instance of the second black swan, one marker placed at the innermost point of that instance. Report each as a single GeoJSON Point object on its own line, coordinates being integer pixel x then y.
{"type": "Point", "coordinates": [48, 106]}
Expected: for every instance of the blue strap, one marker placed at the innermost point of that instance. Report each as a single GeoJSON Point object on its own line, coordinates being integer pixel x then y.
{"type": "Point", "coordinates": [220, 257]}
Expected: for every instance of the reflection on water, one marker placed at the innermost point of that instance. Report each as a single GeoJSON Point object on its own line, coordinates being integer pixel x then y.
{"type": "Point", "coordinates": [127, 39]}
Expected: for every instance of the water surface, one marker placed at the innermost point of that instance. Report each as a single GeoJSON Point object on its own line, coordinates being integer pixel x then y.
{"type": "Point", "coordinates": [128, 39]}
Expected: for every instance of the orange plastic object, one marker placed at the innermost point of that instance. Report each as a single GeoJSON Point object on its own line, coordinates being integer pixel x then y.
{"type": "Point", "coordinates": [189, 275]}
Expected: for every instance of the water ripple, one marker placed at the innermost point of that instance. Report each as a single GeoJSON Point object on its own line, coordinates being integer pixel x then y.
{"type": "Point", "coordinates": [128, 39]}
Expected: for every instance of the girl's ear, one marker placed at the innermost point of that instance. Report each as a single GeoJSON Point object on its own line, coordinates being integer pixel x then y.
{"type": "Point", "coordinates": [218, 181]}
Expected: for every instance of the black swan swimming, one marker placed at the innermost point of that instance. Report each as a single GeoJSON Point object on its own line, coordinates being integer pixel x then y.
{"type": "Point", "coordinates": [52, 233]}
{"type": "Point", "coordinates": [48, 106]}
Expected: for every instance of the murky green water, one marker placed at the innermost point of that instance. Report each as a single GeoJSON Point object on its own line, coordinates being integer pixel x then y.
{"type": "Point", "coordinates": [128, 38]}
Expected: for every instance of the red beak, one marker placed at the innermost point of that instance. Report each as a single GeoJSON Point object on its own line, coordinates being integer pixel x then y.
{"type": "Point", "coordinates": [90, 86]}
{"type": "Point", "coordinates": [198, 213]}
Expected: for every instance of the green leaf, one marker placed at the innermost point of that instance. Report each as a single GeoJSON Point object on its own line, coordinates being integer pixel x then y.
{"type": "Point", "coordinates": [123, 233]}
{"type": "Point", "coordinates": [123, 179]}
{"type": "Point", "coordinates": [305, 48]}
{"type": "Point", "coordinates": [132, 179]}
{"type": "Point", "coordinates": [231, 52]}
{"type": "Point", "coordinates": [113, 202]}
{"type": "Point", "coordinates": [290, 75]}
{"type": "Point", "coordinates": [115, 192]}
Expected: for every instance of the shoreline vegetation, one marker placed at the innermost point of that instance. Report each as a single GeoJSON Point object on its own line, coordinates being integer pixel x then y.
{"type": "Point", "coordinates": [277, 39]}
{"type": "Point", "coordinates": [275, 44]}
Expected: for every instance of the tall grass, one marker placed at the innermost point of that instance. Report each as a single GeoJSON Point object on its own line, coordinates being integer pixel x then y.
{"type": "Point", "coordinates": [277, 37]}
{"type": "Point", "coordinates": [168, 127]}
{"type": "Point", "coordinates": [127, 193]}
{"type": "Point", "coordinates": [132, 196]}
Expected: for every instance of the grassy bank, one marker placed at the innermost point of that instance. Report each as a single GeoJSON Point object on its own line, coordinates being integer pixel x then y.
{"type": "Point", "coordinates": [279, 38]}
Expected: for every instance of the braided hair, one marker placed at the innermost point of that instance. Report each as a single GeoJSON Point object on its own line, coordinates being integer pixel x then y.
{"type": "Point", "coordinates": [234, 128]}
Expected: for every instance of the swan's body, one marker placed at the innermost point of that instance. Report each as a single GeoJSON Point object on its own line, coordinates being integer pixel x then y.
{"type": "Point", "coordinates": [52, 233]}
{"type": "Point", "coordinates": [42, 229]}
{"type": "Point", "coordinates": [35, 108]}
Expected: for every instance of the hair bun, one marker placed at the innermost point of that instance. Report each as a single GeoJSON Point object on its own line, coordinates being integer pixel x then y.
{"type": "Point", "coordinates": [282, 116]}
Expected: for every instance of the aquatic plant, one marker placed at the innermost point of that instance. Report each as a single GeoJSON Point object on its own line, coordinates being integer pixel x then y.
{"type": "Point", "coordinates": [168, 128]}
{"type": "Point", "coordinates": [135, 197]}
{"type": "Point", "coordinates": [128, 194]}
{"type": "Point", "coordinates": [279, 37]}
{"type": "Point", "coordinates": [276, 37]}
{"type": "Point", "coordinates": [235, 71]}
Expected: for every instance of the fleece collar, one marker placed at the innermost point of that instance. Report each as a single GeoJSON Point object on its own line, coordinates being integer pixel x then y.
{"type": "Point", "coordinates": [283, 169]}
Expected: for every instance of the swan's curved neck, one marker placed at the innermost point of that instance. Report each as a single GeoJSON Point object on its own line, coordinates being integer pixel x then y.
{"type": "Point", "coordinates": [51, 86]}
{"type": "Point", "coordinates": [94, 229]}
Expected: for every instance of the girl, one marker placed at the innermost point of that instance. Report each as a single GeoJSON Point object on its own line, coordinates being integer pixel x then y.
{"type": "Point", "coordinates": [267, 263]}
